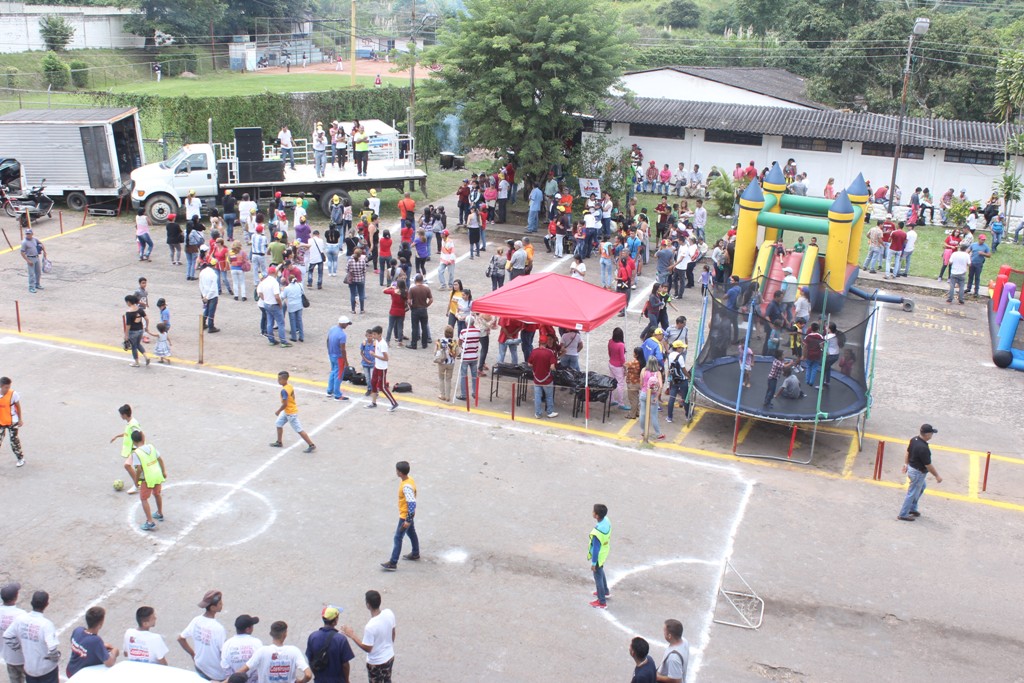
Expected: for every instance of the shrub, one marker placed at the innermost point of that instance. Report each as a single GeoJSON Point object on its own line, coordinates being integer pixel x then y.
{"type": "Point", "coordinates": [79, 73]}
{"type": "Point", "coordinates": [11, 76]}
{"type": "Point", "coordinates": [56, 31]}
{"type": "Point", "coordinates": [55, 71]}
{"type": "Point", "coordinates": [723, 191]}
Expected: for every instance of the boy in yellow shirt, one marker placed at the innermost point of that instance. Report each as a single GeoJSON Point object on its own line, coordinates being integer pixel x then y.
{"type": "Point", "coordinates": [289, 412]}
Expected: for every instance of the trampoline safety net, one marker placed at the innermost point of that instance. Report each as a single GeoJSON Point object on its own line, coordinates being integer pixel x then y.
{"type": "Point", "coordinates": [717, 371]}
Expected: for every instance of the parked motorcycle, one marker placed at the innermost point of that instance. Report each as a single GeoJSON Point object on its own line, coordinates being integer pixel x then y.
{"type": "Point", "coordinates": [30, 206]}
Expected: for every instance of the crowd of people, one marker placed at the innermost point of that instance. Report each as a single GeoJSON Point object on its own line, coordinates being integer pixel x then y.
{"type": "Point", "coordinates": [32, 650]}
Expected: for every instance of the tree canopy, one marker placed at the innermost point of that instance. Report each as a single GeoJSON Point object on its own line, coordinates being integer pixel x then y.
{"type": "Point", "coordinates": [517, 70]}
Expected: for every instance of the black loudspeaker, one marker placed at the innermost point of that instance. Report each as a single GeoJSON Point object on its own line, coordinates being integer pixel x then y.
{"type": "Point", "coordinates": [261, 171]}
{"type": "Point", "coordinates": [249, 144]}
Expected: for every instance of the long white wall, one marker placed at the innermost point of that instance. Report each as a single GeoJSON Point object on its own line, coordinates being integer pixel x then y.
{"type": "Point", "coordinates": [932, 171]}
{"type": "Point", "coordinates": [95, 27]}
{"type": "Point", "coordinates": [673, 85]}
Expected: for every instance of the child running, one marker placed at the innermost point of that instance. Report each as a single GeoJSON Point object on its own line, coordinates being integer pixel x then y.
{"type": "Point", "coordinates": [289, 412]}
{"type": "Point", "coordinates": [131, 426]}
{"type": "Point", "coordinates": [150, 475]}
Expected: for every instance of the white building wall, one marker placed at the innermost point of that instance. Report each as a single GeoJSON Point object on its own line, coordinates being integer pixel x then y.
{"type": "Point", "coordinates": [932, 171]}
{"type": "Point", "coordinates": [672, 85]}
{"type": "Point", "coordinates": [95, 27]}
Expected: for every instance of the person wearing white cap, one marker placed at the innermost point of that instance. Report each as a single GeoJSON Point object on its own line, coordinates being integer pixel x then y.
{"type": "Point", "coordinates": [789, 290]}
{"type": "Point", "coordinates": [337, 337]}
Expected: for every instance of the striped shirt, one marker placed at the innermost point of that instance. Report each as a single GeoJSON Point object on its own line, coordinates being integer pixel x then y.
{"type": "Point", "coordinates": [470, 338]}
{"type": "Point", "coordinates": [776, 369]}
{"type": "Point", "coordinates": [259, 245]}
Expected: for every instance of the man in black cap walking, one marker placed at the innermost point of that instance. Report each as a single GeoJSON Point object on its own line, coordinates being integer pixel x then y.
{"type": "Point", "coordinates": [917, 466]}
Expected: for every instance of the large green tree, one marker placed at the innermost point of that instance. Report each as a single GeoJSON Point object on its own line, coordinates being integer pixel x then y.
{"type": "Point", "coordinates": [518, 70]}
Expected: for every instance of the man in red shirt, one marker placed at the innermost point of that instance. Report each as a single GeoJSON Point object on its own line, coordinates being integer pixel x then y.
{"type": "Point", "coordinates": [664, 211]}
{"type": "Point", "coordinates": [750, 171]}
{"type": "Point", "coordinates": [462, 194]}
{"type": "Point", "coordinates": [510, 176]}
{"type": "Point", "coordinates": [407, 209]}
{"type": "Point", "coordinates": [897, 243]}
{"type": "Point", "coordinates": [543, 361]}
{"type": "Point", "coordinates": [888, 227]}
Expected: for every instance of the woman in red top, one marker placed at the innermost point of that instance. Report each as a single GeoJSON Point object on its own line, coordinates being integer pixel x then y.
{"type": "Point", "coordinates": [623, 276]}
{"type": "Point", "coordinates": [396, 314]}
{"type": "Point", "coordinates": [949, 246]}
{"type": "Point", "coordinates": [617, 365]}
{"type": "Point", "coordinates": [384, 253]}
{"type": "Point", "coordinates": [508, 338]}
{"type": "Point", "coordinates": [219, 254]}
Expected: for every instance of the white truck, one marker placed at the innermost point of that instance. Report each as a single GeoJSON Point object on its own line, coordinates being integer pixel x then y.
{"type": "Point", "coordinates": [86, 155]}
{"type": "Point", "coordinates": [209, 169]}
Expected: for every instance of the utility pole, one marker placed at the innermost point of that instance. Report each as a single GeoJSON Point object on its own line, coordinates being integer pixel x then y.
{"type": "Point", "coordinates": [352, 47]}
{"type": "Point", "coordinates": [213, 47]}
{"type": "Point", "coordinates": [412, 77]}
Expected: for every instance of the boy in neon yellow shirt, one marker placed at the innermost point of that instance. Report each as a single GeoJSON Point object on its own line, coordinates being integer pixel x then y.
{"type": "Point", "coordinates": [150, 474]}
{"type": "Point", "coordinates": [131, 425]}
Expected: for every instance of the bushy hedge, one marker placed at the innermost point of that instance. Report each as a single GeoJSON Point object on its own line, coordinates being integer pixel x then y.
{"type": "Point", "coordinates": [56, 71]}
{"type": "Point", "coordinates": [79, 73]}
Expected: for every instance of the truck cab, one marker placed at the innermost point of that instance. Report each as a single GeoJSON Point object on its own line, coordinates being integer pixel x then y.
{"type": "Point", "coordinates": [160, 187]}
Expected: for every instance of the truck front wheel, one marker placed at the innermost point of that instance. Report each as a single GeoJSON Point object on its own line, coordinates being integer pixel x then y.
{"type": "Point", "coordinates": [160, 207]}
{"type": "Point", "coordinates": [76, 201]}
{"type": "Point", "coordinates": [327, 195]}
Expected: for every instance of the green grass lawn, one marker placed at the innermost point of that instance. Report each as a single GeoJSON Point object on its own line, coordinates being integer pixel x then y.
{"type": "Point", "coordinates": [226, 84]}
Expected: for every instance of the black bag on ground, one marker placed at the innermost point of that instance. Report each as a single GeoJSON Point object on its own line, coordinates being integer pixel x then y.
{"type": "Point", "coordinates": [402, 388]}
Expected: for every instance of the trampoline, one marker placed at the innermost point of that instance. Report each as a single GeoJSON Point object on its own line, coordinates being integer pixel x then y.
{"type": "Point", "coordinates": [718, 382]}
{"type": "Point", "coordinates": [726, 332]}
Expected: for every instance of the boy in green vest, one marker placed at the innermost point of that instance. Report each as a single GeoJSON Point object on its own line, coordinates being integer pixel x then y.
{"type": "Point", "coordinates": [150, 473]}
{"type": "Point", "coordinates": [600, 536]}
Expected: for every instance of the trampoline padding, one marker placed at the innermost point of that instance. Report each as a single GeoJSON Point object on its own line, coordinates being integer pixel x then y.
{"type": "Point", "coordinates": [719, 380]}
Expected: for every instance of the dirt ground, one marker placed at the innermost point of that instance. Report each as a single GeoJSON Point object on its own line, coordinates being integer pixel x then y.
{"type": "Point", "coordinates": [850, 593]}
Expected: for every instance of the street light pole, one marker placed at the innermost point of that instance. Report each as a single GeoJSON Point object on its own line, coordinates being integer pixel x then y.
{"type": "Point", "coordinates": [920, 29]}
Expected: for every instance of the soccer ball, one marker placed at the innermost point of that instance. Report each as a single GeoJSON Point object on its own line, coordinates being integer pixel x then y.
{"type": "Point", "coordinates": [118, 485]}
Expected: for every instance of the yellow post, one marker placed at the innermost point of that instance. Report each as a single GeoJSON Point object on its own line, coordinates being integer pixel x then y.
{"type": "Point", "coordinates": [751, 203]}
{"type": "Point", "coordinates": [774, 184]}
{"type": "Point", "coordinates": [858, 194]}
{"type": "Point", "coordinates": [840, 221]}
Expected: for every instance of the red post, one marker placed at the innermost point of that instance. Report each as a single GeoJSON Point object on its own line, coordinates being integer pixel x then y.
{"type": "Point", "coordinates": [514, 390]}
{"type": "Point", "coordinates": [17, 314]}
{"type": "Point", "coordinates": [467, 392]}
{"type": "Point", "coordinates": [984, 479]}
{"type": "Point", "coordinates": [85, 215]}
{"type": "Point", "coordinates": [879, 457]}
{"type": "Point", "coordinates": [587, 408]}
{"type": "Point", "coordinates": [476, 403]}
{"type": "Point", "coordinates": [736, 434]}
{"type": "Point", "coordinates": [792, 443]}
{"type": "Point", "coordinates": [60, 217]}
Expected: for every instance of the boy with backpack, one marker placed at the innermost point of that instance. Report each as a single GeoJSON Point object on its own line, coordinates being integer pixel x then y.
{"type": "Point", "coordinates": [813, 344]}
{"type": "Point", "coordinates": [679, 378]}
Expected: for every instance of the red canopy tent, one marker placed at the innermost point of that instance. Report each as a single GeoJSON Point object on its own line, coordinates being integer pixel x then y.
{"type": "Point", "coordinates": [556, 300]}
{"type": "Point", "coordinates": [552, 299]}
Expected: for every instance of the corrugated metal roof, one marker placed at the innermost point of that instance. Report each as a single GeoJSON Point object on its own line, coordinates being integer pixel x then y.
{"type": "Point", "coordinates": [828, 124]}
{"type": "Point", "coordinates": [84, 116]}
{"type": "Point", "coordinates": [777, 83]}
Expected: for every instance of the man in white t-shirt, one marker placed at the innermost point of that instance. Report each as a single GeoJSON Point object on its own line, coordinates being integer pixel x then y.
{"type": "Point", "coordinates": [287, 146]}
{"type": "Point", "coordinates": [959, 263]}
{"type": "Point", "coordinates": [34, 637]}
{"type": "Point", "coordinates": [569, 346]}
{"type": "Point", "coordinates": [378, 639]}
{"type": "Point", "coordinates": [379, 376]}
{"type": "Point", "coordinates": [141, 644]}
{"type": "Point", "coordinates": [279, 663]}
{"type": "Point", "coordinates": [268, 294]}
{"type": "Point", "coordinates": [677, 657]}
{"type": "Point", "coordinates": [239, 648]}
{"type": "Point", "coordinates": [8, 613]}
{"type": "Point", "coordinates": [207, 638]}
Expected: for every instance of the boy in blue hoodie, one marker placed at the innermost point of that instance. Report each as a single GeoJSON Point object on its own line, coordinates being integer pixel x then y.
{"type": "Point", "coordinates": [600, 537]}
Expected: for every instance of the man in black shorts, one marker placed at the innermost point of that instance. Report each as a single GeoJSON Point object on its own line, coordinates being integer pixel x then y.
{"type": "Point", "coordinates": [917, 466]}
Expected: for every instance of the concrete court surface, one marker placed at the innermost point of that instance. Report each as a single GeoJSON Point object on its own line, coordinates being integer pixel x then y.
{"type": "Point", "coordinates": [851, 593]}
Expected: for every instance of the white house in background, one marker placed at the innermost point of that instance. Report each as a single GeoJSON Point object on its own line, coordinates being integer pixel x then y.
{"type": "Point", "coordinates": [937, 153]}
{"type": "Point", "coordinates": [95, 27]}
{"type": "Point", "coordinates": [728, 85]}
